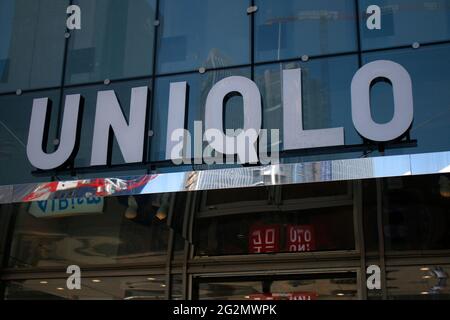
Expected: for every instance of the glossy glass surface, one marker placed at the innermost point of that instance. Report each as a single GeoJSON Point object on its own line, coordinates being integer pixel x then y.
{"type": "Point", "coordinates": [150, 287]}
{"type": "Point", "coordinates": [91, 231]}
{"type": "Point", "coordinates": [115, 41]}
{"type": "Point", "coordinates": [294, 28]}
{"type": "Point", "coordinates": [293, 287]}
{"type": "Point", "coordinates": [211, 34]}
{"type": "Point", "coordinates": [297, 225]}
{"type": "Point", "coordinates": [404, 22]}
{"type": "Point", "coordinates": [419, 282]}
{"type": "Point", "coordinates": [31, 43]}
{"type": "Point", "coordinates": [416, 213]}
{"type": "Point", "coordinates": [199, 87]}
{"type": "Point", "coordinates": [14, 126]}
{"type": "Point", "coordinates": [326, 95]}
{"type": "Point", "coordinates": [428, 67]}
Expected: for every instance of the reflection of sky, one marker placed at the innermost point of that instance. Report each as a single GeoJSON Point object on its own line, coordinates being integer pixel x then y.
{"type": "Point", "coordinates": [416, 164]}
{"type": "Point", "coordinates": [166, 183]}
{"type": "Point", "coordinates": [391, 166]}
{"type": "Point", "coordinates": [377, 167]}
{"type": "Point", "coordinates": [430, 163]}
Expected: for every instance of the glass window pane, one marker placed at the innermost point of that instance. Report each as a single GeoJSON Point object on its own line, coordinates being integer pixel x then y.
{"type": "Point", "coordinates": [197, 33]}
{"type": "Point", "coordinates": [315, 190]}
{"type": "Point", "coordinates": [88, 231]}
{"type": "Point", "coordinates": [319, 226]}
{"type": "Point", "coordinates": [417, 213]}
{"type": "Point", "coordinates": [236, 196]}
{"type": "Point", "coordinates": [177, 287]}
{"type": "Point", "coordinates": [31, 43]}
{"type": "Point", "coordinates": [199, 87]}
{"type": "Point", "coordinates": [115, 41]}
{"type": "Point", "coordinates": [6, 212]}
{"type": "Point", "coordinates": [291, 28]}
{"type": "Point", "coordinates": [421, 282]}
{"type": "Point", "coordinates": [326, 97]}
{"type": "Point", "coordinates": [404, 22]}
{"type": "Point", "coordinates": [14, 128]}
{"type": "Point", "coordinates": [101, 288]}
{"type": "Point", "coordinates": [293, 287]}
{"type": "Point", "coordinates": [430, 85]}
{"type": "Point", "coordinates": [370, 216]}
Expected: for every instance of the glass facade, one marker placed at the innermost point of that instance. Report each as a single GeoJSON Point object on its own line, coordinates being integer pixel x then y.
{"type": "Point", "coordinates": [308, 241]}
{"type": "Point", "coordinates": [116, 41]}
{"type": "Point", "coordinates": [32, 44]}
{"type": "Point", "coordinates": [124, 44]}
{"type": "Point", "coordinates": [299, 28]}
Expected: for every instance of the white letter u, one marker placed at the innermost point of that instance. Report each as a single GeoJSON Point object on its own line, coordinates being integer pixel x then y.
{"type": "Point", "coordinates": [36, 155]}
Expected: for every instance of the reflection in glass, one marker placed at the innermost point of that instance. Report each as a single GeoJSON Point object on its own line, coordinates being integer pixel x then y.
{"type": "Point", "coordinates": [199, 87]}
{"type": "Point", "coordinates": [196, 33]}
{"type": "Point", "coordinates": [430, 93]}
{"type": "Point", "coordinates": [31, 43]}
{"type": "Point", "coordinates": [15, 115]}
{"type": "Point", "coordinates": [89, 231]}
{"type": "Point", "coordinates": [294, 28]}
{"type": "Point", "coordinates": [264, 227]}
{"type": "Point", "coordinates": [293, 287]}
{"type": "Point", "coordinates": [421, 282]}
{"type": "Point", "coordinates": [101, 288]}
{"type": "Point", "coordinates": [177, 287]}
{"type": "Point", "coordinates": [404, 22]}
{"type": "Point", "coordinates": [6, 212]}
{"type": "Point", "coordinates": [115, 41]}
{"type": "Point", "coordinates": [417, 213]}
{"type": "Point", "coordinates": [325, 91]}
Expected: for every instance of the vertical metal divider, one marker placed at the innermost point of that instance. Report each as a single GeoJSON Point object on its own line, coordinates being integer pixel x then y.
{"type": "Point", "coordinates": [61, 92]}
{"type": "Point", "coordinates": [186, 244]}
{"type": "Point", "coordinates": [147, 152]}
{"type": "Point", "coordinates": [170, 246]}
{"type": "Point", "coordinates": [358, 32]}
{"type": "Point", "coordinates": [252, 41]}
{"type": "Point", "coordinates": [189, 246]}
{"type": "Point", "coordinates": [358, 184]}
{"type": "Point", "coordinates": [13, 211]}
{"type": "Point", "coordinates": [359, 235]}
{"type": "Point", "coordinates": [156, 28]}
{"type": "Point", "coordinates": [381, 247]}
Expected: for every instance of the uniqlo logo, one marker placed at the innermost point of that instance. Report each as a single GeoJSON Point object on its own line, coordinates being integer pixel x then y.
{"type": "Point", "coordinates": [300, 238]}
{"type": "Point", "coordinates": [264, 239]}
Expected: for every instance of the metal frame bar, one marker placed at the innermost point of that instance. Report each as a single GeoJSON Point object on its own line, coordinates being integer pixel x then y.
{"type": "Point", "coordinates": [381, 247]}
{"type": "Point", "coordinates": [359, 237]}
{"type": "Point", "coordinates": [170, 247]}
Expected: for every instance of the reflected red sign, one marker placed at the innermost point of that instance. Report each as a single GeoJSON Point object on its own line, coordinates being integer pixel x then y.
{"type": "Point", "coordinates": [99, 187]}
{"type": "Point", "coordinates": [284, 296]}
{"type": "Point", "coordinates": [264, 239]}
{"type": "Point", "coordinates": [300, 238]}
